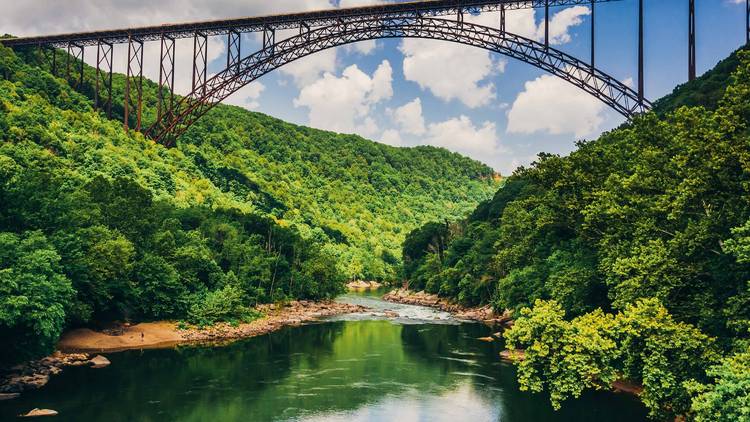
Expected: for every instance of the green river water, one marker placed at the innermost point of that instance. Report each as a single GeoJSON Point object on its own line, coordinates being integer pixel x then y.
{"type": "Point", "coordinates": [421, 366]}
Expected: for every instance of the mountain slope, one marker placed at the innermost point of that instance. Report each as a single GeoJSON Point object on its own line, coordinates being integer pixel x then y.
{"type": "Point", "coordinates": [650, 223]}
{"type": "Point", "coordinates": [97, 224]}
{"type": "Point", "coordinates": [357, 196]}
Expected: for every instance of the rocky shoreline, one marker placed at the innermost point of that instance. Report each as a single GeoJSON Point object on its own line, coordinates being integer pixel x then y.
{"type": "Point", "coordinates": [363, 285]}
{"type": "Point", "coordinates": [483, 314]}
{"type": "Point", "coordinates": [75, 346]}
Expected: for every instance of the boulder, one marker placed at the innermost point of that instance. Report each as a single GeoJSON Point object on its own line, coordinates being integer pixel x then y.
{"type": "Point", "coordinates": [39, 412]}
{"type": "Point", "coordinates": [9, 396]}
{"type": "Point", "coordinates": [487, 339]}
{"type": "Point", "coordinates": [99, 361]}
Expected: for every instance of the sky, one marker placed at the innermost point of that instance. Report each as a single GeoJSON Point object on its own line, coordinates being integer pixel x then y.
{"type": "Point", "coordinates": [407, 92]}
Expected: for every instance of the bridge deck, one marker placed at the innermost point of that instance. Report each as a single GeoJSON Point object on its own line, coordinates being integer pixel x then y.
{"type": "Point", "coordinates": [287, 21]}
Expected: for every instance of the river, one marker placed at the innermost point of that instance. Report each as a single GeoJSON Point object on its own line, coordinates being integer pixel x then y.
{"type": "Point", "coordinates": [421, 365]}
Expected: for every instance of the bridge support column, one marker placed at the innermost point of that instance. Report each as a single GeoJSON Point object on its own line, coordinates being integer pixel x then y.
{"type": "Point", "coordinates": [75, 53]}
{"type": "Point", "coordinates": [134, 82]}
{"type": "Point", "coordinates": [269, 38]}
{"type": "Point", "coordinates": [747, 21]}
{"type": "Point", "coordinates": [234, 49]}
{"type": "Point", "coordinates": [691, 40]}
{"type": "Point", "coordinates": [166, 76]}
{"type": "Point", "coordinates": [200, 62]}
{"type": "Point", "coordinates": [104, 59]}
{"type": "Point", "coordinates": [593, 35]}
{"type": "Point", "coordinates": [546, 24]}
{"type": "Point", "coordinates": [49, 54]}
{"type": "Point", "coordinates": [641, 95]}
{"type": "Point", "coordinates": [502, 17]}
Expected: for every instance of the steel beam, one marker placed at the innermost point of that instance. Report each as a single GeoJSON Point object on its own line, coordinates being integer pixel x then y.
{"type": "Point", "coordinates": [49, 58]}
{"type": "Point", "coordinates": [166, 75]}
{"type": "Point", "coordinates": [546, 23]}
{"type": "Point", "coordinates": [234, 49]}
{"type": "Point", "coordinates": [200, 60]}
{"type": "Point", "coordinates": [318, 19]}
{"type": "Point", "coordinates": [691, 40]}
{"type": "Point", "coordinates": [593, 35]}
{"type": "Point", "coordinates": [104, 60]}
{"type": "Point", "coordinates": [75, 54]}
{"type": "Point", "coordinates": [269, 39]}
{"type": "Point", "coordinates": [641, 83]}
{"type": "Point", "coordinates": [609, 90]}
{"type": "Point", "coordinates": [747, 21]}
{"type": "Point", "coordinates": [502, 18]}
{"type": "Point", "coordinates": [134, 82]}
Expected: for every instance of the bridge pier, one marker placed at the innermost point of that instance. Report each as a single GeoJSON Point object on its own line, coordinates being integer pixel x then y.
{"type": "Point", "coordinates": [104, 59]}
{"type": "Point", "coordinates": [200, 61]}
{"type": "Point", "coordinates": [234, 49]}
{"type": "Point", "coordinates": [166, 75]}
{"type": "Point", "coordinates": [134, 80]}
{"type": "Point", "coordinates": [49, 55]}
{"type": "Point", "coordinates": [546, 23]}
{"type": "Point", "coordinates": [747, 21]}
{"type": "Point", "coordinates": [641, 95]}
{"type": "Point", "coordinates": [502, 17]}
{"type": "Point", "coordinates": [75, 53]}
{"type": "Point", "coordinates": [691, 40]}
{"type": "Point", "coordinates": [593, 35]}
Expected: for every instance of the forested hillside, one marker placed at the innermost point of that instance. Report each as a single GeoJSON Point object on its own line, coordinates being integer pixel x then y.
{"type": "Point", "coordinates": [628, 259]}
{"type": "Point", "coordinates": [97, 224]}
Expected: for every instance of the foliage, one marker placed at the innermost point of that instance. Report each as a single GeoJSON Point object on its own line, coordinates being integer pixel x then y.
{"type": "Point", "coordinates": [727, 399]}
{"type": "Point", "coordinates": [654, 211]}
{"type": "Point", "coordinates": [33, 295]}
{"type": "Point", "coordinates": [643, 343]}
{"type": "Point", "coordinates": [101, 224]}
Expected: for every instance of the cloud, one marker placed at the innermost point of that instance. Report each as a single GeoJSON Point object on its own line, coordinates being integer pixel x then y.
{"type": "Point", "coordinates": [343, 104]}
{"type": "Point", "coordinates": [450, 71]}
{"type": "Point", "coordinates": [308, 69]}
{"type": "Point", "coordinates": [409, 117]}
{"type": "Point", "coordinates": [550, 104]}
{"type": "Point", "coordinates": [460, 134]}
{"type": "Point", "coordinates": [391, 137]}
{"type": "Point", "coordinates": [247, 96]}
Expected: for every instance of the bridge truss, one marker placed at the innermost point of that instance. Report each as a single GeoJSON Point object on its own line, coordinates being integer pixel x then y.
{"type": "Point", "coordinates": [320, 30]}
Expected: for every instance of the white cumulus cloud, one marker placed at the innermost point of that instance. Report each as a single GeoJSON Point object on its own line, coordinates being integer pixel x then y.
{"type": "Point", "coordinates": [343, 104]}
{"type": "Point", "coordinates": [550, 104]}
{"type": "Point", "coordinates": [461, 135]}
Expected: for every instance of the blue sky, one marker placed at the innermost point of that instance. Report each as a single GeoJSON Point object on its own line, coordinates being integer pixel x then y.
{"type": "Point", "coordinates": [414, 92]}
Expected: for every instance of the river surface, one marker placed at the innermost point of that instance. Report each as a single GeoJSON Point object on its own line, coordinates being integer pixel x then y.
{"type": "Point", "coordinates": [421, 365]}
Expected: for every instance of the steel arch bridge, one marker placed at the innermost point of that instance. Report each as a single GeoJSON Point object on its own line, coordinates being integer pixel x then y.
{"type": "Point", "coordinates": [321, 30]}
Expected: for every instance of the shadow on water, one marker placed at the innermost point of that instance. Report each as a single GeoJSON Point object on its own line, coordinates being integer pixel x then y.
{"type": "Point", "coordinates": [361, 370]}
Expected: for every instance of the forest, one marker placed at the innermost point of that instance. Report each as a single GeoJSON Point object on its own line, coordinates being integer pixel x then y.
{"type": "Point", "coordinates": [627, 260]}
{"type": "Point", "coordinates": [98, 224]}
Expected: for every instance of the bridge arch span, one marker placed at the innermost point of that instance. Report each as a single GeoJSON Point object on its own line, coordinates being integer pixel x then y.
{"type": "Point", "coordinates": [272, 56]}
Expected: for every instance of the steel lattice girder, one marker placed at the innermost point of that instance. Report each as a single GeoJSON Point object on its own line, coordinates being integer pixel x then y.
{"type": "Point", "coordinates": [317, 19]}
{"type": "Point", "coordinates": [602, 86]}
{"type": "Point", "coordinates": [104, 62]}
{"type": "Point", "coordinates": [166, 76]}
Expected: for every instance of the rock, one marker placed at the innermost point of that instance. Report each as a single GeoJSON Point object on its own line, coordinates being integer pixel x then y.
{"type": "Point", "coordinates": [100, 361]}
{"type": "Point", "coordinates": [512, 355]}
{"type": "Point", "coordinates": [487, 339]}
{"type": "Point", "coordinates": [39, 412]}
{"type": "Point", "coordinates": [9, 396]}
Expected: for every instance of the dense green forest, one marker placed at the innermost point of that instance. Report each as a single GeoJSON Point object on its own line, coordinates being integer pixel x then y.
{"type": "Point", "coordinates": [628, 259]}
{"type": "Point", "coordinates": [97, 224]}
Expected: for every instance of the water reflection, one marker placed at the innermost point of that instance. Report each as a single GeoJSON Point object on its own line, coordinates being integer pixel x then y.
{"type": "Point", "coordinates": [372, 370]}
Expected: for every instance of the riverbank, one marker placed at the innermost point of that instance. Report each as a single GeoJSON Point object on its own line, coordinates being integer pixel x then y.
{"type": "Point", "coordinates": [75, 347]}
{"type": "Point", "coordinates": [483, 314]}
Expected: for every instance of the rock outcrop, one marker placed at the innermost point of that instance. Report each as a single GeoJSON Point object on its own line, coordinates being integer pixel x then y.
{"type": "Point", "coordinates": [38, 412]}
{"type": "Point", "coordinates": [484, 314]}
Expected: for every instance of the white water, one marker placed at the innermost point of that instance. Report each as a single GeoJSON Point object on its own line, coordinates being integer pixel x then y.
{"type": "Point", "coordinates": [395, 312]}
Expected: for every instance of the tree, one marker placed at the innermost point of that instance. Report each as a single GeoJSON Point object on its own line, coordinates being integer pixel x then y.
{"type": "Point", "coordinates": [33, 294]}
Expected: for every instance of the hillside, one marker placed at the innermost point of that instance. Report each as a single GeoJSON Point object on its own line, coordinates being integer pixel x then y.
{"type": "Point", "coordinates": [97, 224]}
{"type": "Point", "coordinates": [358, 197]}
{"type": "Point", "coordinates": [628, 259]}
